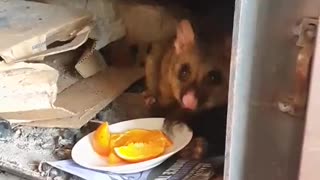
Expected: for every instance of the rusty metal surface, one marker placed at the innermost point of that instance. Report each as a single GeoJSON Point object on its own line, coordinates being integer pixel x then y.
{"type": "Point", "coordinates": [295, 103]}
{"type": "Point", "coordinates": [310, 161]}
{"type": "Point", "coordinates": [262, 142]}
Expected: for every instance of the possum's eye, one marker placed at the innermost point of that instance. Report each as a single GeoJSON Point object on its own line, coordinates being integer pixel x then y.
{"type": "Point", "coordinates": [214, 77]}
{"type": "Point", "coordinates": [184, 72]}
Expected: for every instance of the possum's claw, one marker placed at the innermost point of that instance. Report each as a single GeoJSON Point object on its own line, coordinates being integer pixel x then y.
{"type": "Point", "coordinates": [149, 100]}
{"type": "Point", "coordinates": [195, 150]}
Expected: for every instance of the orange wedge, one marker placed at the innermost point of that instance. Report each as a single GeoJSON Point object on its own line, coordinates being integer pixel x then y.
{"type": "Point", "coordinates": [131, 136]}
{"type": "Point", "coordinates": [113, 159]}
{"type": "Point", "coordinates": [114, 137]}
{"type": "Point", "coordinates": [101, 140]}
{"type": "Point", "coordinates": [142, 136]}
{"type": "Point", "coordinates": [137, 152]}
{"type": "Point", "coordinates": [159, 137]}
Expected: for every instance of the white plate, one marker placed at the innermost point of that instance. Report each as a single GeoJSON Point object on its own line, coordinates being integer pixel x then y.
{"type": "Point", "coordinates": [84, 155]}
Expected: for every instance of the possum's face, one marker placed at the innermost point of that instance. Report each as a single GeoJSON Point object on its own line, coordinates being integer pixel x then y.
{"type": "Point", "coordinates": [199, 80]}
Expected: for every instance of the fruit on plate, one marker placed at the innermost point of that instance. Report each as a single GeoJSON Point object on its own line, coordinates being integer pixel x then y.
{"type": "Point", "coordinates": [101, 140]}
{"type": "Point", "coordinates": [142, 135]}
{"type": "Point", "coordinates": [159, 137]}
{"type": "Point", "coordinates": [136, 152]}
{"type": "Point", "coordinates": [113, 159]}
{"type": "Point", "coordinates": [134, 145]}
{"type": "Point", "coordinates": [131, 136]}
{"type": "Point", "coordinates": [139, 145]}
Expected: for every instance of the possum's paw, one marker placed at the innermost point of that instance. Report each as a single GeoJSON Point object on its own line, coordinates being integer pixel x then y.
{"type": "Point", "coordinates": [195, 150]}
{"type": "Point", "coordinates": [149, 100]}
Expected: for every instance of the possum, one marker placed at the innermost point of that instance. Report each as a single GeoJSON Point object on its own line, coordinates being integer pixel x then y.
{"type": "Point", "coordinates": [187, 80]}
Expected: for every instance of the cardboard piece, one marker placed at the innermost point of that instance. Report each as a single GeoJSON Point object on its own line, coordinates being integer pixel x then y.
{"type": "Point", "coordinates": [87, 97]}
{"type": "Point", "coordinates": [27, 86]}
{"type": "Point", "coordinates": [108, 25]}
{"type": "Point", "coordinates": [64, 63]}
{"type": "Point", "coordinates": [27, 35]}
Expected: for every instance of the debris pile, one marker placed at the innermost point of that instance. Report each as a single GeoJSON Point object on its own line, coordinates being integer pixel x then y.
{"type": "Point", "coordinates": [54, 80]}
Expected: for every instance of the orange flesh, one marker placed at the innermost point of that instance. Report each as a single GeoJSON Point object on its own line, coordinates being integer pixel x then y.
{"type": "Point", "coordinates": [137, 152]}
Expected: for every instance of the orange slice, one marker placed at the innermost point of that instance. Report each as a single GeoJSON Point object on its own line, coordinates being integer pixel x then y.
{"type": "Point", "coordinates": [113, 159]}
{"type": "Point", "coordinates": [136, 152]}
{"type": "Point", "coordinates": [113, 139]}
{"type": "Point", "coordinates": [131, 136]}
{"type": "Point", "coordinates": [158, 136]}
{"type": "Point", "coordinates": [142, 136]}
{"type": "Point", "coordinates": [101, 140]}
{"type": "Point", "coordinates": [167, 140]}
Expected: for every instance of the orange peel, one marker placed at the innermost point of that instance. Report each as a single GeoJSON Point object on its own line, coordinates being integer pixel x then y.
{"type": "Point", "coordinates": [101, 140]}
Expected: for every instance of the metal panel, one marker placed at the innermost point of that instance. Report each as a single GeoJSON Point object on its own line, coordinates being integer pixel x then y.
{"type": "Point", "coordinates": [310, 161]}
{"type": "Point", "coordinates": [262, 142]}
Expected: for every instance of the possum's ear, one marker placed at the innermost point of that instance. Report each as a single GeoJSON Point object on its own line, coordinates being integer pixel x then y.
{"type": "Point", "coordinates": [185, 37]}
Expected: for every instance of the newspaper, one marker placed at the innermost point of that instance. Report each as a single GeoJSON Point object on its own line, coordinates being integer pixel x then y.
{"type": "Point", "coordinates": [172, 169]}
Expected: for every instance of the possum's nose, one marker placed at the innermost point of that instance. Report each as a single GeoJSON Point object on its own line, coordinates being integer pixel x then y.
{"type": "Point", "coordinates": [189, 100]}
